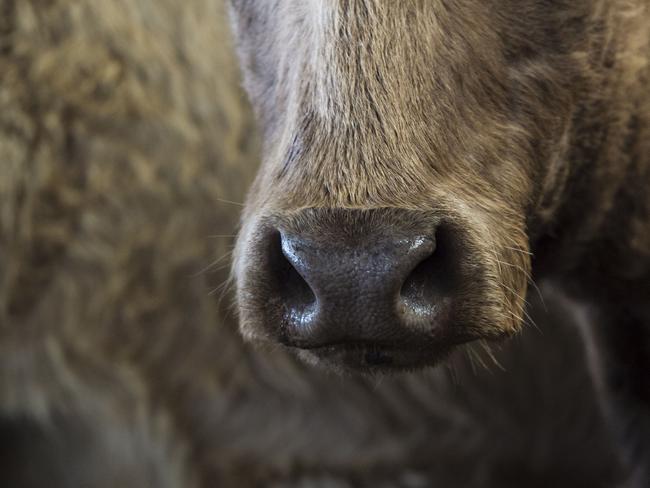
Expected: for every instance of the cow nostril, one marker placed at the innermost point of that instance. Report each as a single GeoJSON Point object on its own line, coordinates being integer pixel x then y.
{"type": "Point", "coordinates": [418, 293]}
{"type": "Point", "coordinates": [430, 281]}
{"type": "Point", "coordinates": [298, 299]}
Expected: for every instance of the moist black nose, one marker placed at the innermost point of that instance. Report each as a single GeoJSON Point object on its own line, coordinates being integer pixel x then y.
{"type": "Point", "coordinates": [368, 290]}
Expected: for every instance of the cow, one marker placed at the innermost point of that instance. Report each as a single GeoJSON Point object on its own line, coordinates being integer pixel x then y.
{"type": "Point", "coordinates": [424, 161]}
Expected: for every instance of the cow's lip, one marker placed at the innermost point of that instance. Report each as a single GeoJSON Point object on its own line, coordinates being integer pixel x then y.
{"type": "Point", "coordinates": [378, 357]}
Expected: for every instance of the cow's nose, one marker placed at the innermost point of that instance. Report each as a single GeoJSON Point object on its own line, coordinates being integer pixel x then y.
{"type": "Point", "coordinates": [368, 291]}
{"type": "Point", "coordinates": [357, 289]}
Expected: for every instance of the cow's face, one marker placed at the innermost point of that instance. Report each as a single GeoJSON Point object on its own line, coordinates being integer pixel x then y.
{"type": "Point", "coordinates": [407, 147]}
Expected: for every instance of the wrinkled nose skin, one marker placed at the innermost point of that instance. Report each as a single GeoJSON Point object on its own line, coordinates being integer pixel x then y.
{"type": "Point", "coordinates": [354, 289]}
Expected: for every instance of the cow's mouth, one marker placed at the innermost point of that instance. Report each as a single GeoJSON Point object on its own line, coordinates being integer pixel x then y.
{"type": "Point", "coordinates": [370, 357]}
